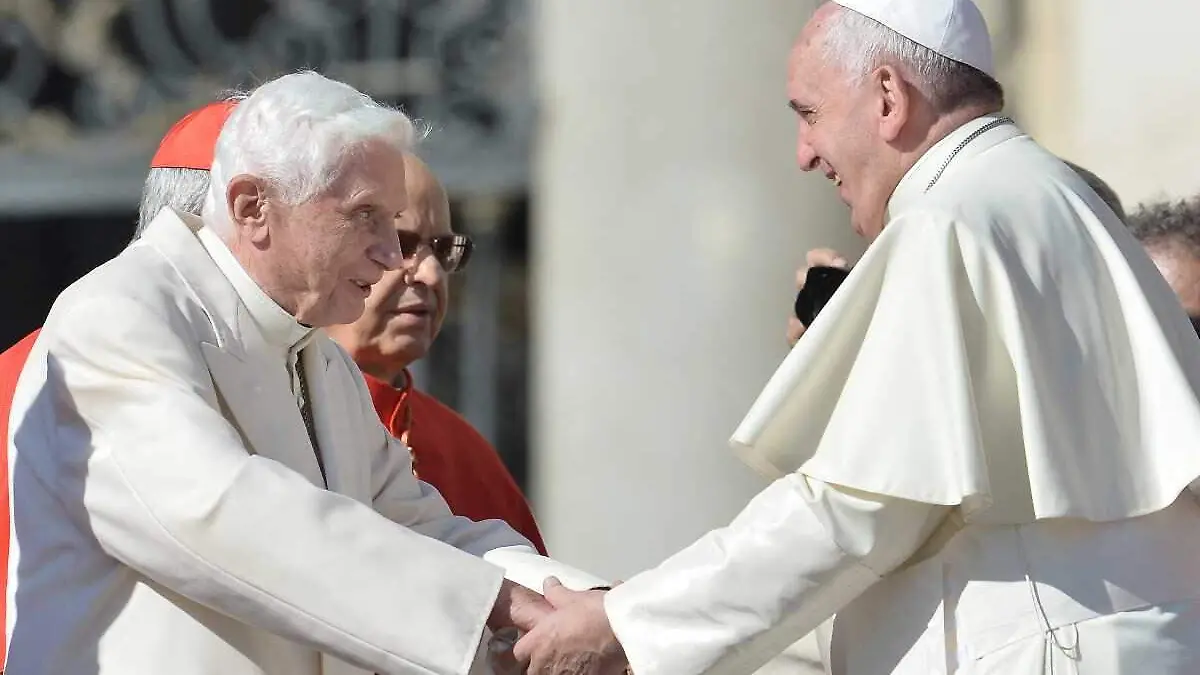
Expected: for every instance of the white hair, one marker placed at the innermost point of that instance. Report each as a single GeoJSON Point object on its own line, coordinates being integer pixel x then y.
{"type": "Point", "coordinates": [294, 132]}
{"type": "Point", "coordinates": [180, 189]}
{"type": "Point", "coordinates": [860, 44]}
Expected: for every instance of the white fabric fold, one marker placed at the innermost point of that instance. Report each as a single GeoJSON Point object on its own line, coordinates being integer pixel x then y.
{"type": "Point", "coordinates": [525, 566]}
{"type": "Point", "coordinates": [1015, 353]}
{"type": "Point", "coordinates": [739, 596]}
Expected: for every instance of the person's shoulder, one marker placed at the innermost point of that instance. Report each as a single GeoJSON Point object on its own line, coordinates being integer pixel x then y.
{"type": "Point", "coordinates": [136, 295]}
{"type": "Point", "coordinates": [138, 275]}
{"type": "Point", "coordinates": [21, 349]}
{"type": "Point", "coordinates": [13, 358]}
{"type": "Point", "coordinates": [920, 227]}
{"type": "Point", "coordinates": [428, 410]}
{"type": "Point", "coordinates": [1004, 182]}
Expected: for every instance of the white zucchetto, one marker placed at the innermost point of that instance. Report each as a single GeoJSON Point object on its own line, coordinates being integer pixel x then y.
{"type": "Point", "coordinates": [953, 28]}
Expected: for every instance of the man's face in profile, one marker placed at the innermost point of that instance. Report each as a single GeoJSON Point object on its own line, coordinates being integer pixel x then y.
{"type": "Point", "coordinates": [1181, 268]}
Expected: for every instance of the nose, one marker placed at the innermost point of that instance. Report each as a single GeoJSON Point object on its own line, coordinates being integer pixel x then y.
{"type": "Point", "coordinates": [806, 155]}
{"type": "Point", "coordinates": [386, 251]}
{"type": "Point", "coordinates": [424, 270]}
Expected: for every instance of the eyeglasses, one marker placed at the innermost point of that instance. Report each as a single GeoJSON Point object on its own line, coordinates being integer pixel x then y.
{"type": "Point", "coordinates": [452, 251]}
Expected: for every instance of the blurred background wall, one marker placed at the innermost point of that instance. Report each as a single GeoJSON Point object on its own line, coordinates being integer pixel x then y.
{"type": "Point", "coordinates": [626, 167]}
{"type": "Point", "coordinates": [669, 219]}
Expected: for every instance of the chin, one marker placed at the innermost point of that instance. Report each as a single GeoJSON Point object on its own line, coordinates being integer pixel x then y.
{"type": "Point", "coordinates": [406, 349]}
{"type": "Point", "coordinates": [345, 314]}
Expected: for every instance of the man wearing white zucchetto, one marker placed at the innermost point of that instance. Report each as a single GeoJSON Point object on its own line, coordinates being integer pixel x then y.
{"type": "Point", "coordinates": [984, 447]}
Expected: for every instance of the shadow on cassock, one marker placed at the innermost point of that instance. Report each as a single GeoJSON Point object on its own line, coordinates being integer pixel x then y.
{"type": "Point", "coordinates": [53, 433]}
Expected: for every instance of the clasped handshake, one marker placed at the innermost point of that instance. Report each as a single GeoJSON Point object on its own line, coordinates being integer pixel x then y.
{"type": "Point", "coordinates": [563, 632]}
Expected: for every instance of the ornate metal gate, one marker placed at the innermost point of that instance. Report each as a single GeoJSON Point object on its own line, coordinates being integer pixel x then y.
{"type": "Point", "coordinates": [87, 87]}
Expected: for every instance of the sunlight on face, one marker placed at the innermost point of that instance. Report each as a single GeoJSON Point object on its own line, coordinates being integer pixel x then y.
{"type": "Point", "coordinates": [334, 247]}
{"type": "Point", "coordinates": [838, 130]}
{"type": "Point", "coordinates": [406, 309]}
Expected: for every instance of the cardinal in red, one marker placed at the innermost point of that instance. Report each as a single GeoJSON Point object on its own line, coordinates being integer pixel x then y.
{"type": "Point", "coordinates": [403, 316]}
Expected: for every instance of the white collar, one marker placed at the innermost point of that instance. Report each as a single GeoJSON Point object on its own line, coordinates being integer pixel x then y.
{"type": "Point", "coordinates": [916, 180]}
{"type": "Point", "coordinates": [278, 328]}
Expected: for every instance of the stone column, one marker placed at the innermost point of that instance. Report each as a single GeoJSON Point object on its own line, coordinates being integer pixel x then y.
{"type": "Point", "coordinates": [669, 217]}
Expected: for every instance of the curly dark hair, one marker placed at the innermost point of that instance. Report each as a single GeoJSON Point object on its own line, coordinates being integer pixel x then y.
{"type": "Point", "coordinates": [1168, 222]}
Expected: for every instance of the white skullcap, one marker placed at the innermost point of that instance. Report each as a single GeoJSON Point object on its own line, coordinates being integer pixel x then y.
{"type": "Point", "coordinates": [953, 28]}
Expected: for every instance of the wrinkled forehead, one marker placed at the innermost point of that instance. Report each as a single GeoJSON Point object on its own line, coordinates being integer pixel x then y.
{"type": "Point", "coordinates": [373, 165]}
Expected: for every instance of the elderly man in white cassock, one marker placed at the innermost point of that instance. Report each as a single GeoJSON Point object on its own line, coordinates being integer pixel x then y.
{"type": "Point", "coordinates": [200, 483]}
{"type": "Point", "coordinates": [985, 446]}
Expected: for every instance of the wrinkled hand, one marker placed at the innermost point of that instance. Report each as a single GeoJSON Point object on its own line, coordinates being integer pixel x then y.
{"type": "Point", "coordinates": [575, 640]}
{"type": "Point", "coordinates": [818, 257]}
{"type": "Point", "coordinates": [517, 607]}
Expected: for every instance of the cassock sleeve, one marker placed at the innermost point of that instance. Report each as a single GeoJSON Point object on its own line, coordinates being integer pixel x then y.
{"type": "Point", "coordinates": [168, 488]}
{"type": "Point", "coordinates": [798, 553]}
{"type": "Point", "coordinates": [419, 506]}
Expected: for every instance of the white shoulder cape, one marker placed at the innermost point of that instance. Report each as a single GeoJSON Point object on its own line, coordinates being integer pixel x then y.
{"type": "Point", "coordinates": [1021, 358]}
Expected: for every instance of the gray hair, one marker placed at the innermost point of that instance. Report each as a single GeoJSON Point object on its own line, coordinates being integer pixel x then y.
{"type": "Point", "coordinates": [294, 132]}
{"type": "Point", "coordinates": [860, 44]}
{"type": "Point", "coordinates": [1167, 223]}
{"type": "Point", "coordinates": [180, 189]}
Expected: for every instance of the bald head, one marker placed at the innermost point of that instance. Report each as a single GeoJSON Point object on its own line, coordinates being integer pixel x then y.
{"type": "Point", "coordinates": [405, 310]}
{"type": "Point", "coordinates": [427, 200]}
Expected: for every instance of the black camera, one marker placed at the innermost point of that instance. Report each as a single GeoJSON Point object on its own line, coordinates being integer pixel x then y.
{"type": "Point", "coordinates": [819, 286]}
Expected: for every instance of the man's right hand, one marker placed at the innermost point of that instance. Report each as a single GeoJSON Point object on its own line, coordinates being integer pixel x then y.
{"type": "Point", "coordinates": [576, 640]}
{"type": "Point", "coordinates": [818, 257]}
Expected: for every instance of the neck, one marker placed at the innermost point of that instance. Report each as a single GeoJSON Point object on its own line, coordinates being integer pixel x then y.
{"type": "Point", "coordinates": [941, 126]}
{"type": "Point", "coordinates": [390, 373]}
{"type": "Point", "coordinates": [247, 256]}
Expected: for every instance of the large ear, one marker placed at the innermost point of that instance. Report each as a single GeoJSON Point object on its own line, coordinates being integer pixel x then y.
{"type": "Point", "coordinates": [246, 198]}
{"type": "Point", "coordinates": [895, 96]}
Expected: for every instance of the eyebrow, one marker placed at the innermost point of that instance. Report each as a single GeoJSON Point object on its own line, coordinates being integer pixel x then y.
{"type": "Point", "coordinates": [369, 199]}
{"type": "Point", "coordinates": [797, 107]}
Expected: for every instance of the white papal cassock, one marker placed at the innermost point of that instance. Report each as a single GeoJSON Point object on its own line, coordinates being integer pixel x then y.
{"type": "Point", "coordinates": [170, 516]}
{"type": "Point", "coordinates": [982, 452]}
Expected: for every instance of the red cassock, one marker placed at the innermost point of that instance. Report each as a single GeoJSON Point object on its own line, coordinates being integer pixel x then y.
{"type": "Point", "coordinates": [449, 454]}
{"type": "Point", "coordinates": [12, 360]}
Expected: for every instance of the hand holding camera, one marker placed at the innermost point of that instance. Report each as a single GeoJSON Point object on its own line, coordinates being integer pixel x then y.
{"type": "Point", "coordinates": [816, 282]}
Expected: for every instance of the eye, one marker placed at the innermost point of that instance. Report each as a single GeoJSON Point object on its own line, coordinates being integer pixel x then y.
{"type": "Point", "coordinates": [365, 214]}
{"type": "Point", "coordinates": [805, 112]}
